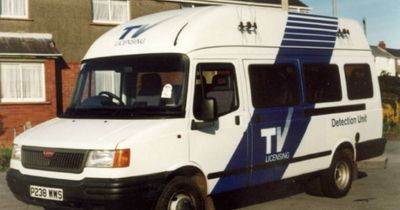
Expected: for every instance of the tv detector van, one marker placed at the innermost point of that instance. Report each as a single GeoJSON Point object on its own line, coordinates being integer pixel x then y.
{"type": "Point", "coordinates": [179, 105]}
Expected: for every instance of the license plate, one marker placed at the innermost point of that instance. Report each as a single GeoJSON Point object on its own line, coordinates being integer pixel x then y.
{"type": "Point", "coordinates": [47, 193]}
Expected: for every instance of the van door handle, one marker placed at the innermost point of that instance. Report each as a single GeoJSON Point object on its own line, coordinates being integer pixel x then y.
{"type": "Point", "coordinates": [237, 120]}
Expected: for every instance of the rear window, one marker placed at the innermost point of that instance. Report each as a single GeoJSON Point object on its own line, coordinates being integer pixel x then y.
{"type": "Point", "coordinates": [358, 81]}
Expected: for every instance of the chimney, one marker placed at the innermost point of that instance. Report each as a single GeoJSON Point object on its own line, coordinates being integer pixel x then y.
{"type": "Point", "coordinates": [285, 5]}
{"type": "Point", "coordinates": [382, 45]}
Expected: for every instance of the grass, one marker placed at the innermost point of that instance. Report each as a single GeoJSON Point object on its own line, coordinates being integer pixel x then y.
{"type": "Point", "coordinates": [5, 156]}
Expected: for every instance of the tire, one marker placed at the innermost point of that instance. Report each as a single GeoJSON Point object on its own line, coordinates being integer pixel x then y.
{"type": "Point", "coordinates": [337, 180]}
{"type": "Point", "coordinates": [181, 193]}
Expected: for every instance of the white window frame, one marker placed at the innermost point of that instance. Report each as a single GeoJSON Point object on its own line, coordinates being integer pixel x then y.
{"type": "Point", "coordinates": [26, 16]}
{"type": "Point", "coordinates": [128, 6]}
{"type": "Point", "coordinates": [26, 100]}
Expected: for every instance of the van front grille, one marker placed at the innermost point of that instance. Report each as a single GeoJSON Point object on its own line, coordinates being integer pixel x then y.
{"type": "Point", "coordinates": [61, 160]}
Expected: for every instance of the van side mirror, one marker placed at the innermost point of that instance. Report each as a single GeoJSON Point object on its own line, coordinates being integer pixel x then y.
{"type": "Point", "coordinates": [208, 114]}
{"type": "Point", "coordinates": [208, 110]}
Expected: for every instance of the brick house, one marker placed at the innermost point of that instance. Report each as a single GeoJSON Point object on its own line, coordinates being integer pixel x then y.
{"type": "Point", "coordinates": [43, 41]}
{"type": "Point", "coordinates": [28, 82]}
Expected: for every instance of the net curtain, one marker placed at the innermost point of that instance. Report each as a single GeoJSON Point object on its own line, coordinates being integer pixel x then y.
{"type": "Point", "coordinates": [110, 10]}
{"type": "Point", "coordinates": [22, 82]}
{"type": "Point", "coordinates": [16, 8]}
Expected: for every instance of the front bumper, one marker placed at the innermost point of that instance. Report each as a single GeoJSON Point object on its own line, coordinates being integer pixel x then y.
{"type": "Point", "coordinates": [89, 192]}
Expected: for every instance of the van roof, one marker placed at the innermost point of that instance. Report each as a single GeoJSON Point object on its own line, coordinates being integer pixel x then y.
{"type": "Point", "coordinates": [187, 30]}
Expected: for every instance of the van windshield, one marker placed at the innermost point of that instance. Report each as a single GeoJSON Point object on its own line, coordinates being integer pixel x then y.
{"type": "Point", "coordinates": [145, 86]}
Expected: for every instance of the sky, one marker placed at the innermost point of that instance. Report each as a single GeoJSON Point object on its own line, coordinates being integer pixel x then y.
{"type": "Point", "coordinates": [383, 17]}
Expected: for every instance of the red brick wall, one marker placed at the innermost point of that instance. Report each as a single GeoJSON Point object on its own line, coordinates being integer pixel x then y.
{"type": "Point", "coordinates": [14, 116]}
{"type": "Point", "coordinates": [69, 77]}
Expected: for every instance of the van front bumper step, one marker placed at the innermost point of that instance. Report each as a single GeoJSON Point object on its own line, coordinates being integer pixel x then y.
{"type": "Point", "coordinates": [89, 192]}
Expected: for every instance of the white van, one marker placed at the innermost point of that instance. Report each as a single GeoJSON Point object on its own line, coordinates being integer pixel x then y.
{"type": "Point", "coordinates": [180, 105]}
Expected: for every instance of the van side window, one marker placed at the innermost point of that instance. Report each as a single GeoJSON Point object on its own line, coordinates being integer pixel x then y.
{"type": "Point", "coordinates": [358, 81]}
{"type": "Point", "coordinates": [322, 83]}
{"type": "Point", "coordinates": [217, 81]}
{"type": "Point", "coordinates": [274, 85]}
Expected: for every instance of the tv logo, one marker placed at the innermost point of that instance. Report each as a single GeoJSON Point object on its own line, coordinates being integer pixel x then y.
{"type": "Point", "coordinates": [268, 133]}
{"type": "Point", "coordinates": [281, 137]}
{"type": "Point", "coordinates": [135, 33]}
{"type": "Point", "coordinates": [136, 30]}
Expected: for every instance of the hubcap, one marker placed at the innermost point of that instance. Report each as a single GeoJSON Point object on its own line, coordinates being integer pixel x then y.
{"type": "Point", "coordinates": [342, 175]}
{"type": "Point", "coordinates": [181, 201]}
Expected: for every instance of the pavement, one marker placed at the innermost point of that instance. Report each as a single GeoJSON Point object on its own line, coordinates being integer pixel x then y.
{"type": "Point", "coordinates": [377, 189]}
{"type": "Point", "coordinates": [380, 162]}
{"type": "Point", "coordinates": [7, 200]}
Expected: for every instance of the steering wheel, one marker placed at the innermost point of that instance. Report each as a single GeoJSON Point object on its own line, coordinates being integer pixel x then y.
{"type": "Point", "coordinates": [112, 96]}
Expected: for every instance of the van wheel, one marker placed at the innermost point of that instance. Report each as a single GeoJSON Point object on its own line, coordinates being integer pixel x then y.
{"type": "Point", "coordinates": [181, 193]}
{"type": "Point", "coordinates": [336, 181]}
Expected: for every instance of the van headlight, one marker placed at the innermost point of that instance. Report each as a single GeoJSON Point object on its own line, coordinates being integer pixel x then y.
{"type": "Point", "coordinates": [16, 152]}
{"type": "Point", "coordinates": [119, 158]}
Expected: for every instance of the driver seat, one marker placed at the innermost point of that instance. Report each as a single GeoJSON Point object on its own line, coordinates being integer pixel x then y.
{"type": "Point", "coordinates": [150, 89]}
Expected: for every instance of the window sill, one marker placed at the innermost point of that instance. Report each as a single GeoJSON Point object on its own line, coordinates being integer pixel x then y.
{"type": "Point", "coordinates": [24, 103]}
{"type": "Point", "coordinates": [16, 19]}
{"type": "Point", "coordinates": [104, 24]}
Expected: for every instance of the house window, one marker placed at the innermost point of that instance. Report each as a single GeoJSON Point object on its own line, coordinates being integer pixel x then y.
{"type": "Point", "coordinates": [110, 11]}
{"type": "Point", "coordinates": [14, 8]}
{"type": "Point", "coordinates": [109, 81]}
{"type": "Point", "coordinates": [22, 82]}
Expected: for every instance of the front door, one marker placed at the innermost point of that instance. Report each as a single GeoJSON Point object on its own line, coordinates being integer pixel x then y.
{"type": "Point", "coordinates": [220, 147]}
